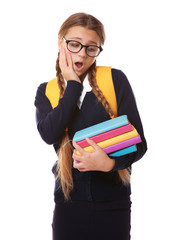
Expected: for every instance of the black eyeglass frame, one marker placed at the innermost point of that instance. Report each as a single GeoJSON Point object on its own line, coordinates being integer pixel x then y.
{"type": "Point", "coordinates": [85, 46]}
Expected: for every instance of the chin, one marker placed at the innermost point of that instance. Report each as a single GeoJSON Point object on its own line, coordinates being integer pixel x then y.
{"type": "Point", "coordinates": [82, 75]}
{"type": "Point", "coordinates": [79, 73]}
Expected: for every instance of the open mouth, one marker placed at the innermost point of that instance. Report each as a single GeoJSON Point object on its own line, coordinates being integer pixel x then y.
{"type": "Point", "coordinates": [79, 65]}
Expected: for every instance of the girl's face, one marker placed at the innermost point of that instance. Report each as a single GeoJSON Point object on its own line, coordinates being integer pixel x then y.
{"type": "Point", "coordinates": [81, 61]}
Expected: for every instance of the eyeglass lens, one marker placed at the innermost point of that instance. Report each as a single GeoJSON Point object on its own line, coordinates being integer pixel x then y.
{"type": "Point", "coordinates": [75, 47]}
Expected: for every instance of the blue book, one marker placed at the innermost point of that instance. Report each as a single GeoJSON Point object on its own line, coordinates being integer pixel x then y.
{"type": "Point", "coordinates": [100, 128]}
{"type": "Point", "coordinates": [124, 151]}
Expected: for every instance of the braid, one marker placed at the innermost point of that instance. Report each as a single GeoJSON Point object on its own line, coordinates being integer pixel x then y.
{"type": "Point", "coordinates": [98, 93]}
{"type": "Point", "coordinates": [60, 78]}
{"type": "Point", "coordinates": [64, 166]}
{"type": "Point", "coordinates": [124, 174]}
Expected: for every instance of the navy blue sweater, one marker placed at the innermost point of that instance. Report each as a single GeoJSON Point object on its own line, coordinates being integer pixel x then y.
{"type": "Point", "coordinates": [51, 124]}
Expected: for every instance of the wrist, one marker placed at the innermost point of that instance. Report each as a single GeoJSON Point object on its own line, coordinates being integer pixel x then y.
{"type": "Point", "coordinates": [73, 90]}
{"type": "Point", "coordinates": [110, 164]}
{"type": "Point", "coordinates": [73, 79]}
{"type": "Point", "coordinates": [69, 77]}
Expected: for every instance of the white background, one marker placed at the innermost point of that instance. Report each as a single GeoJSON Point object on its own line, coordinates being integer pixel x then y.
{"type": "Point", "coordinates": [137, 43]}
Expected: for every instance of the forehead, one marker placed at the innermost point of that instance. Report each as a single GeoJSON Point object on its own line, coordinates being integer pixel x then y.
{"type": "Point", "coordinates": [82, 34]}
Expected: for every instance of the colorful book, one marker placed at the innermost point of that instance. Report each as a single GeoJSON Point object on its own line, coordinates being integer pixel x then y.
{"type": "Point", "coordinates": [107, 135]}
{"type": "Point", "coordinates": [114, 140]}
{"type": "Point", "coordinates": [124, 151]}
{"type": "Point", "coordinates": [122, 145]}
{"type": "Point", "coordinates": [101, 128]}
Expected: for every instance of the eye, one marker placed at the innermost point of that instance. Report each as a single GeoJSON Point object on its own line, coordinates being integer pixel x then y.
{"type": "Point", "coordinates": [92, 49]}
{"type": "Point", "coordinates": [74, 44]}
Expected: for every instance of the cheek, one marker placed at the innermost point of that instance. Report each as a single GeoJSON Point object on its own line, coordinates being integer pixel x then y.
{"type": "Point", "coordinates": [91, 61]}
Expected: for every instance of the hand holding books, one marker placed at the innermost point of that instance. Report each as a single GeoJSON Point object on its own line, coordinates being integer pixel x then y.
{"type": "Point", "coordinates": [117, 137]}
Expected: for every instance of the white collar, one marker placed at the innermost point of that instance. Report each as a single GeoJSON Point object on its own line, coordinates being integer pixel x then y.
{"type": "Point", "coordinates": [86, 88]}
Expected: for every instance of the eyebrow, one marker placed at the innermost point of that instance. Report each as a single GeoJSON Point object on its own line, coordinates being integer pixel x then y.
{"type": "Point", "coordinates": [89, 42]}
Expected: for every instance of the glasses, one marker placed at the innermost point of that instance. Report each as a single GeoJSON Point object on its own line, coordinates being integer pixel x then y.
{"type": "Point", "coordinates": [75, 47]}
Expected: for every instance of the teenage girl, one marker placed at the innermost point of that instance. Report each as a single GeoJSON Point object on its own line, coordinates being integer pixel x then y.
{"type": "Point", "coordinates": [92, 192]}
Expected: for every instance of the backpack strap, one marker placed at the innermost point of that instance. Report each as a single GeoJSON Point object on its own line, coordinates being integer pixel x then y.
{"type": "Point", "coordinates": [53, 92]}
{"type": "Point", "coordinates": [104, 81]}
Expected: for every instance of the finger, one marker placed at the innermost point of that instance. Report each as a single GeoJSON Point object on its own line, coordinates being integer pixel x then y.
{"type": "Point", "coordinates": [69, 60]}
{"type": "Point", "coordinates": [62, 59]}
{"type": "Point", "coordinates": [82, 169]}
{"type": "Point", "coordinates": [77, 157]}
{"type": "Point", "coordinates": [77, 164]}
{"type": "Point", "coordinates": [92, 143]}
{"type": "Point", "coordinates": [78, 148]}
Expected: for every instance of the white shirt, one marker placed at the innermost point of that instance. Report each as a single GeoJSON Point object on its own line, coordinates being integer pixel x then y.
{"type": "Point", "coordinates": [86, 88]}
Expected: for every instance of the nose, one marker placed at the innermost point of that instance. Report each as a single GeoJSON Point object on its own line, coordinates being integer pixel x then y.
{"type": "Point", "coordinates": [82, 52]}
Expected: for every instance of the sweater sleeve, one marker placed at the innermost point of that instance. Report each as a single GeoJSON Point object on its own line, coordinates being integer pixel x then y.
{"type": "Point", "coordinates": [127, 106]}
{"type": "Point", "coordinates": [51, 123]}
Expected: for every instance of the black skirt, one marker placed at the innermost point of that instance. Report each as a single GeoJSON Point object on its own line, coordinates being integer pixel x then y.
{"type": "Point", "coordinates": [92, 220]}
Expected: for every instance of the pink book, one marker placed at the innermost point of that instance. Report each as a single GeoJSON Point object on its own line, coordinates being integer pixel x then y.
{"type": "Point", "coordinates": [106, 135]}
{"type": "Point", "coordinates": [121, 145]}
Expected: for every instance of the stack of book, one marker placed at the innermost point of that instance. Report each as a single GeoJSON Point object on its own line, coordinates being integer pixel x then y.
{"type": "Point", "coordinates": [117, 137]}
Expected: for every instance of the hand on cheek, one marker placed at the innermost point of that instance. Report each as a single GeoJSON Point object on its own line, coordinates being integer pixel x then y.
{"type": "Point", "coordinates": [98, 160]}
{"type": "Point", "coordinates": [66, 66]}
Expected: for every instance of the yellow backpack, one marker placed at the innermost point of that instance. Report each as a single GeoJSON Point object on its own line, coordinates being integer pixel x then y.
{"type": "Point", "coordinates": [104, 81]}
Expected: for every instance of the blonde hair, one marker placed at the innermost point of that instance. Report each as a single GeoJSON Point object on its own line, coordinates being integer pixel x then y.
{"type": "Point", "coordinates": [64, 166]}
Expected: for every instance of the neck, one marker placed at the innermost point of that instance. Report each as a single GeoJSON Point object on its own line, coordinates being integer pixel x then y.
{"type": "Point", "coordinates": [82, 77]}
